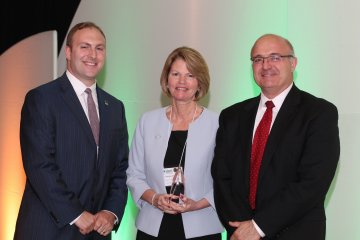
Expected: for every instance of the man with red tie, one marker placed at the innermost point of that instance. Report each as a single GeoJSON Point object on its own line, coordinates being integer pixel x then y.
{"type": "Point", "coordinates": [276, 154]}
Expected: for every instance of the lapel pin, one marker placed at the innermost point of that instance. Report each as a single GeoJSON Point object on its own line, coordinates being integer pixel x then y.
{"type": "Point", "coordinates": [106, 103]}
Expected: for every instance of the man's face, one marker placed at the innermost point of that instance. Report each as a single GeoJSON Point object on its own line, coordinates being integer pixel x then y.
{"type": "Point", "coordinates": [273, 74]}
{"type": "Point", "coordinates": [86, 55]}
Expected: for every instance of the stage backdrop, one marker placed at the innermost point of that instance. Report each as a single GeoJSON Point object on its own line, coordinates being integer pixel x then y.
{"type": "Point", "coordinates": [140, 35]}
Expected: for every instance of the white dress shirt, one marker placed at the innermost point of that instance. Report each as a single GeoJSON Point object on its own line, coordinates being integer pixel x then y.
{"type": "Point", "coordinates": [79, 89]}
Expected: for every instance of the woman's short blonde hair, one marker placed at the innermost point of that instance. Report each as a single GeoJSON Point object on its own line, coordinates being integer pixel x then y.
{"type": "Point", "coordinates": [196, 65]}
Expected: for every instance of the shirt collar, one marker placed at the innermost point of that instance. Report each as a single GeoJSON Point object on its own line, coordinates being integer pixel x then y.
{"type": "Point", "coordinates": [78, 86]}
{"type": "Point", "coordinates": [278, 100]}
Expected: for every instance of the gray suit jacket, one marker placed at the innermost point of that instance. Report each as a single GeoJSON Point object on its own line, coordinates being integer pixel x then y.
{"type": "Point", "coordinates": [145, 170]}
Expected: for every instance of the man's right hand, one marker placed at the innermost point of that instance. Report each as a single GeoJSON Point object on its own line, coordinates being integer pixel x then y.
{"type": "Point", "coordinates": [85, 223]}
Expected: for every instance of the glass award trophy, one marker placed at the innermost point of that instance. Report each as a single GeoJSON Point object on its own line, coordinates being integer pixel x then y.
{"type": "Point", "coordinates": [177, 186]}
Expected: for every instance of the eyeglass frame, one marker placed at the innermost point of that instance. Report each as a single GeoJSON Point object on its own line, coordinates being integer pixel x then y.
{"type": "Point", "coordinates": [271, 57]}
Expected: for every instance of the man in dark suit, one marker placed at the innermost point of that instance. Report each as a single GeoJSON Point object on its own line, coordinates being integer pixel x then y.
{"type": "Point", "coordinates": [76, 180]}
{"type": "Point", "coordinates": [299, 159]}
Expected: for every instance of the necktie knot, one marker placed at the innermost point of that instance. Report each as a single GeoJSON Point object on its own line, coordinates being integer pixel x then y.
{"type": "Point", "coordinates": [88, 91]}
{"type": "Point", "coordinates": [269, 104]}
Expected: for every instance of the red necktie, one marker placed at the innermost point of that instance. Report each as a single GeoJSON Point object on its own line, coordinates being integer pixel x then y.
{"type": "Point", "coordinates": [257, 150]}
{"type": "Point", "coordinates": [93, 117]}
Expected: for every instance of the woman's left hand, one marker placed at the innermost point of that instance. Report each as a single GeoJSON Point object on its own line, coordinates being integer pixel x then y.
{"type": "Point", "coordinates": [187, 205]}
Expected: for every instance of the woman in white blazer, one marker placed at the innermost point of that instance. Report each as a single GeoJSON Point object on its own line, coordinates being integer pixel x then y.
{"type": "Point", "coordinates": [175, 139]}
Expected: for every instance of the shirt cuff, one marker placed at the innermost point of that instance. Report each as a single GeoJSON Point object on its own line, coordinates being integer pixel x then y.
{"type": "Point", "coordinates": [75, 219]}
{"type": "Point", "coordinates": [261, 233]}
{"type": "Point", "coordinates": [116, 218]}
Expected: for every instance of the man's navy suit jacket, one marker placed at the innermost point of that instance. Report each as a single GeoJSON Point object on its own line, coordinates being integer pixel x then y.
{"type": "Point", "coordinates": [64, 173]}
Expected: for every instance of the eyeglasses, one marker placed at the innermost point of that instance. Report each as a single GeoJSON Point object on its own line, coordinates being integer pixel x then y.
{"type": "Point", "coordinates": [274, 58]}
{"type": "Point", "coordinates": [177, 76]}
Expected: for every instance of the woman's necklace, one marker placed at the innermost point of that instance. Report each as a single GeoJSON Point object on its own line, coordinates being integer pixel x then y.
{"type": "Point", "coordinates": [193, 118]}
{"type": "Point", "coordinates": [183, 150]}
{"type": "Point", "coordinates": [179, 183]}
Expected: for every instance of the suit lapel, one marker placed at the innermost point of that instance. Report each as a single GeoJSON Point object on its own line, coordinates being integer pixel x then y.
{"type": "Point", "coordinates": [246, 135]}
{"type": "Point", "coordinates": [104, 105]}
{"type": "Point", "coordinates": [72, 101]}
{"type": "Point", "coordinates": [284, 118]}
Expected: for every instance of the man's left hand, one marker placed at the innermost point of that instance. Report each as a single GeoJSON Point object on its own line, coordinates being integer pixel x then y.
{"type": "Point", "coordinates": [104, 222]}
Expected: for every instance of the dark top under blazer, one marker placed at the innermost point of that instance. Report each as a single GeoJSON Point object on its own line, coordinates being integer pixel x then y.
{"type": "Point", "coordinates": [64, 175]}
{"type": "Point", "coordinates": [298, 166]}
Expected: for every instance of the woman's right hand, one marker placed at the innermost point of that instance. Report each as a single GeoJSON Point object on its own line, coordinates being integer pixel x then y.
{"type": "Point", "coordinates": [162, 202]}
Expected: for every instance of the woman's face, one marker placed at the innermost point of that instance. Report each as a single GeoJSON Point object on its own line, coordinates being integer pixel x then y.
{"type": "Point", "coordinates": [181, 83]}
